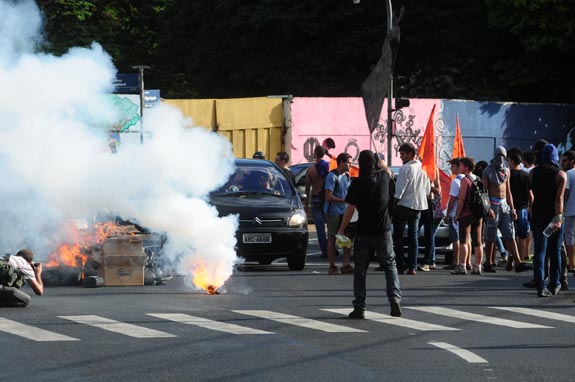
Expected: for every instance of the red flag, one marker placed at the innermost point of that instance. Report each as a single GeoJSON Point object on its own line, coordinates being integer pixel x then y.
{"type": "Point", "coordinates": [458, 149]}
{"type": "Point", "coordinates": [427, 149]}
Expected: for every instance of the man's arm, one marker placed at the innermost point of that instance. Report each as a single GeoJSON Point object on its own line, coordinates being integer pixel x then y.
{"type": "Point", "coordinates": [36, 283]}
{"type": "Point", "coordinates": [330, 188]}
{"type": "Point", "coordinates": [561, 180]}
{"type": "Point", "coordinates": [509, 196]}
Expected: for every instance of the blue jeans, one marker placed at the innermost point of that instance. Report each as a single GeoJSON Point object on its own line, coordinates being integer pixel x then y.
{"type": "Point", "coordinates": [402, 216]}
{"type": "Point", "coordinates": [430, 226]}
{"type": "Point", "coordinates": [550, 246]}
{"type": "Point", "coordinates": [319, 221]}
{"type": "Point", "coordinates": [364, 246]}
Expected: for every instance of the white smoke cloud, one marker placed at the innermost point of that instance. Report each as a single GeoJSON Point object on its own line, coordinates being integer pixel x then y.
{"type": "Point", "coordinates": [55, 163]}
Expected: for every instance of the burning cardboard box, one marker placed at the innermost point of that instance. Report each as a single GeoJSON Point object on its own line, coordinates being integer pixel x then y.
{"type": "Point", "coordinates": [124, 260]}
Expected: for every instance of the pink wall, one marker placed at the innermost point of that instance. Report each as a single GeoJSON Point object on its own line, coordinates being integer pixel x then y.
{"type": "Point", "coordinates": [343, 119]}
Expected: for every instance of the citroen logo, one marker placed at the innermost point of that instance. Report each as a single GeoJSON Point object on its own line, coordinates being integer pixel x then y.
{"type": "Point", "coordinates": [256, 220]}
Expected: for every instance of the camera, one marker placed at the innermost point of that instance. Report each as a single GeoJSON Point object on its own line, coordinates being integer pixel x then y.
{"type": "Point", "coordinates": [35, 265]}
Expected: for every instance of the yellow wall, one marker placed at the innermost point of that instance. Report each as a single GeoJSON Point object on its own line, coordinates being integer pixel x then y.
{"type": "Point", "coordinates": [201, 111]}
{"type": "Point", "coordinates": [250, 124]}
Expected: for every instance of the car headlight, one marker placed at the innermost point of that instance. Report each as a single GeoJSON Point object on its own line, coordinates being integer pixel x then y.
{"type": "Point", "coordinates": [297, 218]}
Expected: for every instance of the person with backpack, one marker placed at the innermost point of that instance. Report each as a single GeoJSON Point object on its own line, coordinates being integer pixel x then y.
{"type": "Point", "coordinates": [336, 185]}
{"type": "Point", "coordinates": [315, 191]}
{"type": "Point", "coordinates": [470, 222]}
{"type": "Point", "coordinates": [14, 272]}
{"type": "Point", "coordinates": [502, 213]}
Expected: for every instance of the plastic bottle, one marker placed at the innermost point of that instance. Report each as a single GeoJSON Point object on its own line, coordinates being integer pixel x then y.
{"type": "Point", "coordinates": [548, 231]}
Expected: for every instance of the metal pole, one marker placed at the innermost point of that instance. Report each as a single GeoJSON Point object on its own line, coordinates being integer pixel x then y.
{"type": "Point", "coordinates": [390, 89]}
{"type": "Point", "coordinates": [141, 70]}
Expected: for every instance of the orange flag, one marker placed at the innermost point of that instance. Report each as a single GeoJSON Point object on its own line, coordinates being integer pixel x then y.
{"type": "Point", "coordinates": [458, 149]}
{"type": "Point", "coordinates": [427, 149]}
{"type": "Point", "coordinates": [445, 181]}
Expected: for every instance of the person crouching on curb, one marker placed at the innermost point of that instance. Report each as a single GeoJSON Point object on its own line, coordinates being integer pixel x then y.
{"type": "Point", "coordinates": [370, 195]}
{"type": "Point", "coordinates": [14, 271]}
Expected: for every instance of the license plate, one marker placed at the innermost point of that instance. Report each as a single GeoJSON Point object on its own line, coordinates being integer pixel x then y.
{"type": "Point", "coordinates": [257, 238]}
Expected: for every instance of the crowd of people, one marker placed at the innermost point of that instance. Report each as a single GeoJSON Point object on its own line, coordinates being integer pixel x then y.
{"type": "Point", "coordinates": [528, 194]}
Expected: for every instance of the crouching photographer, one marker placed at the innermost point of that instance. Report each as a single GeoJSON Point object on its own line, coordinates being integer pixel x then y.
{"type": "Point", "coordinates": [14, 272]}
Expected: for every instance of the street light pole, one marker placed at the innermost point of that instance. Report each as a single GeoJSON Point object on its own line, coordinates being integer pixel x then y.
{"type": "Point", "coordinates": [141, 69]}
{"type": "Point", "coordinates": [390, 89]}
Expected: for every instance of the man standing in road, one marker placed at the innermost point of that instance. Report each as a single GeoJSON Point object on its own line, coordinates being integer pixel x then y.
{"type": "Point", "coordinates": [451, 209]}
{"type": "Point", "coordinates": [314, 183]}
{"type": "Point", "coordinates": [369, 194]}
{"type": "Point", "coordinates": [411, 189]}
{"type": "Point", "coordinates": [547, 182]}
{"type": "Point", "coordinates": [282, 159]}
{"type": "Point", "coordinates": [14, 271]}
{"type": "Point", "coordinates": [502, 213]}
{"type": "Point", "coordinates": [336, 185]}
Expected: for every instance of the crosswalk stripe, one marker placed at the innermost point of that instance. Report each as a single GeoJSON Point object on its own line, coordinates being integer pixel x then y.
{"type": "Point", "coordinates": [397, 321]}
{"type": "Point", "coordinates": [118, 327]}
{"type": "Point", "coordinates": [537, 313]}
{"type": "Point", "coordinates": [299, 321]}
{"type": "Point", "coordinates": [31, 332]}
{"type": "Point", "coordinates": [476, 317]}
{"type": "Point", "coordinates": [208, 324]}
{"type": "Point", "coordinates": [462, 353]}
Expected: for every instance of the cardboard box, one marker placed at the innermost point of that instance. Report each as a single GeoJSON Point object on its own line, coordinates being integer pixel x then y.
{"type": "Point", "coordinates": [127, 245]}
{"type": "Point", "coordinates": [124, 270]}
{"type": "Point", "coordinates": [124, 260]}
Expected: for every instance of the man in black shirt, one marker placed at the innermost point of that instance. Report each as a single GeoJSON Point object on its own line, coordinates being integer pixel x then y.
{"type": "Point", "coordinates": [522, 200]}
{"type": "Point", "coordinates": [370, 195]}
{"type": "Point", "coordinates": [282, 159]}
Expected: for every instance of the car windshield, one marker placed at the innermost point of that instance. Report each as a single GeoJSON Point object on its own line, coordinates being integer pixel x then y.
{"type": "Point", "coordinates": [256, 180]}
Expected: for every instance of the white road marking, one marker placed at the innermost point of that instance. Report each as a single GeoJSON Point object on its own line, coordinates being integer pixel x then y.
{"type": "Point", "coordinates": [397, 321]}
{"type": "Point", "coordinates": [31, 332]}
{"type": "Point", "coordinates": [538, 313]}
{"type": "Point", "coordinates": [462, 353]}
{"type": "Point", "coordinates": [299, 321]}
{"type": "Point", "coordinates": [118, 327]}
{"type": "Point", "coordinates": [208, 324]}
{"type": "Point", "coordinates": [477, 317]}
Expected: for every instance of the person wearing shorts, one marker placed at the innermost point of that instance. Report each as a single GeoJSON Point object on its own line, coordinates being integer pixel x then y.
{"type": "Point", "coordinates": [336, 185]}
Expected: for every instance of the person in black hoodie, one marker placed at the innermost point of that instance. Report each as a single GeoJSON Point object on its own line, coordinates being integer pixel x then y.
{"type": "Point", "coordinates": [370, 195]}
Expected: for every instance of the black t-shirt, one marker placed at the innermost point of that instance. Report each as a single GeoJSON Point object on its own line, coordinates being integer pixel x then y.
{"type": "Point", "coordinates": [289, 175]}
{"type": "Point", "coordinates": [544, 186]}
{"type": "Point", "coordinates": [519, 182]}
{"type": "Point", "coordinates": [370, 195]}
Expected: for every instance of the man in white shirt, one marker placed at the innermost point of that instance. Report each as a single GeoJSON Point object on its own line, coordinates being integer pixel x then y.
{"type": "Point", "coordinates": [451, 210]}
{"type": "Point", "coordinates": [568, 164]}
{"type": "Point", "coordinates": [16, 270]}
{"type": "Point", "coordinates": [411, 190]}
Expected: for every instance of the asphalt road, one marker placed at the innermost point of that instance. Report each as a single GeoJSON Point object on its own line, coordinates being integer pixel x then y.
{"type": "Point", "coordinates": [271, 324]}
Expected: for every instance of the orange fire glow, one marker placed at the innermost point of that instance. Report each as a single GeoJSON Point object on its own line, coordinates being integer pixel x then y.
{"type": "Point", "coordinates": [71, 253]}
{"type": "Point", "coordinates": [203, 279]}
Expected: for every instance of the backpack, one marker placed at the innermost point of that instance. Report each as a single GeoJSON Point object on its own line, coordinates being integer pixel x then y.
{"type": "Point", "coordinates": [335, 186]}
{"type": "Point", "coordinates": [8, 276]}
{"type": "Point", "coordinates": [478, 199]}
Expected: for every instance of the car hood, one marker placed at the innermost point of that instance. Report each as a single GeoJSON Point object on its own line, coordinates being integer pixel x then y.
{"type": "Point", "coordinates": [253, 205]}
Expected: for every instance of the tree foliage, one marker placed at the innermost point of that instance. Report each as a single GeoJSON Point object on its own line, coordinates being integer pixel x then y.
{"type": "Point", "coordinates": [506, 50]}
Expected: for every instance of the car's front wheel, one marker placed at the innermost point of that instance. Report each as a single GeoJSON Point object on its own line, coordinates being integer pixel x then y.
{"type": "Point", "coordinates": [296, 263]}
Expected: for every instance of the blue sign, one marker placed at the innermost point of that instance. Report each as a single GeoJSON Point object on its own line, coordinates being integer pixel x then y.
{"type": "Point", "coordinates": [127, 83]}
{"type": "Point", "coordinates": [151, 98]}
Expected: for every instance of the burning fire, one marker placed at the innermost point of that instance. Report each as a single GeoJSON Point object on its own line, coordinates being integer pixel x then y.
{"type": "Point", "coordinates": [203, 279]}
{"type": "Point", "coordinates": [78, 240]}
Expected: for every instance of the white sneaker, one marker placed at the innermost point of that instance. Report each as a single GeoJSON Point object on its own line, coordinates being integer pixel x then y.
{"type": "Point", "coordinates": [459, 270]}
{"type": "Point", "coordinates": [476, 270]}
